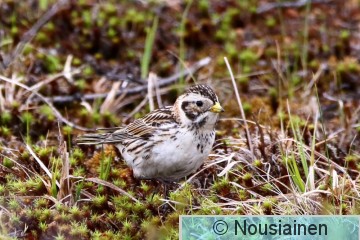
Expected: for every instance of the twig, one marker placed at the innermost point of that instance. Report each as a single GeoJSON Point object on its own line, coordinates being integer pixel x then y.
{"type": "Point", "coordinates": [134, 90]}
{"type": "Point", "coordinates": [41, 164]}
{"type": "Point", "coordinates": [270, 6]}
{"type": "Point", "coordinates": [157, 92]}
{"type": "Point", "coordinates": [137, 109]}
{"type": "Point", "coordinates": [151, 80]}
{"type": "Point", "coordinates": [240, 106]}
{"type": "Point", "coordinates": [56, 112]}
{"type": "Point", "coordinates": [109, 100]}
{"type": "Point", "coordinates": [112, 186]}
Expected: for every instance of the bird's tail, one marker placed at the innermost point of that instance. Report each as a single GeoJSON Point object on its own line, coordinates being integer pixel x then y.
{"type": "Point", "coordinates": [93, 138]}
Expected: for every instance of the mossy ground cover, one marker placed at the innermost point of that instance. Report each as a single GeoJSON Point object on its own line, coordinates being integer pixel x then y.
{"type": "Point", "coordinates": [297, 72]}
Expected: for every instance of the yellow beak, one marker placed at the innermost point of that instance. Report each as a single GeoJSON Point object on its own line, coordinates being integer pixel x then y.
{"type": "Point", "coordinates": [217, 108]}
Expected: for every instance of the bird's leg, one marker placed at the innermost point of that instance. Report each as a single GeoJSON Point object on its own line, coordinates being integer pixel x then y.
{"type": "Point", "coordinates": [156, 189]}
{"type": "Point", "coordinates": [165, 208]}
{"type": "Point", "coordinates": [166, 185]}
{"type": "Point", "coordinates": [166, 191]}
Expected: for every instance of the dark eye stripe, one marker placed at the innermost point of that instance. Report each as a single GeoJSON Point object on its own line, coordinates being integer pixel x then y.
{"type": "Point", "coordinates": [184, 105]}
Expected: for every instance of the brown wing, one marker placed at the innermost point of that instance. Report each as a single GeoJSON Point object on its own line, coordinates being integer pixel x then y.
{"type": "Point", "coordinates": [142, 128]}
{"type": "Point", "coordinates": [146, 126]}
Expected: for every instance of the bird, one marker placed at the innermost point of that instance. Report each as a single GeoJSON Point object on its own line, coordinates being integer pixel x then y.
{"type": "Point", "coordinates": [169, 143]}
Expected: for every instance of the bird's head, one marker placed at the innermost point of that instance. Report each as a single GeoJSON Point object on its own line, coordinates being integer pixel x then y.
{"type": "Point", "coordinates": [198, 106]}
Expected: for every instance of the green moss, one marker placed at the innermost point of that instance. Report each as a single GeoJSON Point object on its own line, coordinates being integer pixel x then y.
{"type": "Point", "coordinates": [14, 205]}
{"type": "Point", "coordinates": [44, 215]}
{"type": "Point", "coordinates": [203, 5]}
{"type": "Point", "coordinates": [295, 79]}
{"type": "Point", "coordinates": [273, 92]}
{"type": "Point", "coordinates": [41, 203]}
{"type": "Point", "coordinates": [270, 21]}
{"type": "Point", "coordinates": [145, 187]}
{"type": "Point", "coordinates": [5, 131]}
{"type": "Point", "coordinates": [14, 30]}
{"type": "Point", "coordinates": [344, 34]}
{"type": "Point", "coordinates": [7, 162]}
{"type": "Point", "coordinates": [247, 68]}
{"type": "Point", "coordinates": [52, 63]}
{"type": "Point", "coordinates": [67, 130]}
{"type": "Point", "coordinates": [127, 226]}
{"type": "Point", "coordinates": [209, 208]}
{"type": "Point", "coordinates": [220, 35]}
{"type": "Point", "coordinates": [79, 172]}
{"type": "Point", "coordinates": [267, 187]}
{"type": "Point", "coordinates": [60, 236]}
{"type": "Point", "coordinates": [80, 84]}
{"type": "Point", "coordinates": [110, 8]}
{"type": "Point", "coordinates": [27, 118]}
{"type": "Point", "coordinates": [220, 184]}
{"type": "Point", "coordinates": [269, 203]}
{"type": "Point", "coordinates": [34, 183]}
{"type": "Point", "coordinates": [352, 158]}
{"type": "Point", "coordinates": [73, 161]}
{"type": "Point", "coordinates": [43, 226]}
{"type": "Point", "coordinates": [121, 183]}
{"type": "Point", "coordinates": [243, 194]}
{"type": "Point", "coordinates": [257, 163]}
{"type": "Point", "coordinates": [243, 80]}
{"type": "Point", "coordinates": [97, 235]}
{"type": "Point", "coordinates": [15, 105]}
{"type": "Point", "coordinates": [86, 17]}
{"type": "Point", "coordinates": [111, 33]}
{"type": "Point", "coordinates": [78, 154]}
{"type": "Point", "coordinates": [134, 16]}
{"type": "Point", "coordinates": [2, 189]}
{"type": "Point", "coordinates": [247, 56]}
{"type": "Point", "coordinates": [120, 215]}
{"type": "Point", "coordinates": [99, 200]}
{"type": "Point", "coordinates": [88, 71]}
{"type": "Point", "coordinates": [111, 118]}
{"type": "Point", "coordinates": [47, 112]}
{"type": "Point", "coordinates": [231, 50]}
{"type": "Point", "coordinates": [113, 22]}
{"type": "Point", "coordinates": [50, 26]}
{"type": "Point", "coordinates": [75, 211]}
{"type": "Point", "coordinates": [79, 229]}
{"type": "Point", "coordinates": [247, 176]}
{"type": "Point", "coordinates": [96, 117]}
{"type": "Point", "coordinates": [270, 52]}
{"type": "Point", "coordinates": [138, 208]}
{"type": "Point", "coordinates": [44, 152]}
{"type": "Point", "coordinates": [247, 107]}
{"type": "Point", "coordinates": [5, 117]}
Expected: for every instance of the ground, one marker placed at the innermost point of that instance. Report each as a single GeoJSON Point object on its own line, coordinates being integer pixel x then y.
{"type": "Point", "coordinates": [288, 142]}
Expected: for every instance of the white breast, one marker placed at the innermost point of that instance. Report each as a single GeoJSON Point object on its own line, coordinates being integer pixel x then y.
{"type": "Point", "coordinates": [174, 157]}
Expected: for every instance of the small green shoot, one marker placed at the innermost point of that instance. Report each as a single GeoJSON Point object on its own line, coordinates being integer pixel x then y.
{"type": "Point", "coordinates": [149, 42]}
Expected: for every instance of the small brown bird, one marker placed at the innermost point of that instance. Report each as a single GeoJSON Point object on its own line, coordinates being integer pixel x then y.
{"type": "Point", "coordinates": [168, 143]}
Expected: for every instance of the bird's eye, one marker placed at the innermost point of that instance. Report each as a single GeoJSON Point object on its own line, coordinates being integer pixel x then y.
{"type": "Point", "coordinates": [199, 103]}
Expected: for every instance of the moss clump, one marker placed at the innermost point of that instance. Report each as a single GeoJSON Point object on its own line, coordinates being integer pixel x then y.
{"type": "Point", "coordinates": [99, 201]}
{"type": "Point", "coordinates": [5, 132]}
{"type": "Point", "coordinates": [5, 117]}
{"type": "Point", "coordinates": [247, 179]}
{"type": "Point", "coordinates": [27, 118]}
{"type": "Point", "coordinates": [352, 160]}
{"type": "Point", "coordinates": [7, 162]}
{"type": "Point", "coordinates": [47, 112]}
